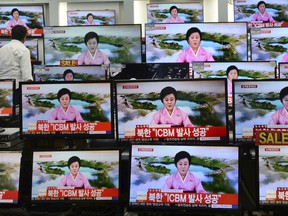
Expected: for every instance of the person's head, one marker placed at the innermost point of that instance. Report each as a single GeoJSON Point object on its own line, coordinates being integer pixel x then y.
{"type": "Point", "coordinates": [284, 97]}
{"type": "Point", "coordinates": [91, 40]}
{"type": "Point", "coordinates": [74, 164]}
{"type": "Point", "coordinates": [15, 13]}
{"type": "Point", "coordinates": [68, 75]}
{"type": "Point", "coordinates": [64, 97]}
{"type": "Point", "coordinates": [232, 72]}
{"type": "Point", "coordinates": [168, 96]}
{"type": "Point", "coordinates": [173, 11]}
{"type": "Point", "coordinates": [90, 17]}
{"type": "Point", "coordinates": [19, 32]}
{"type": "Point", "coordinates": [194, 37]}
{"type": "Point", "coordinates": [261, 6]}
{"type": "Point", "coordinates": [182, 161]}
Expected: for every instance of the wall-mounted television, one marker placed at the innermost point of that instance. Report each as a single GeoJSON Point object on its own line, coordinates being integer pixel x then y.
{"type": "Point", "coordinates": [283, 70]}
{"type": "Point", "coordinates": [210, 173]}
{"type": "Point", "coordinates": [31, 16]}
{"type": "Point", "coordinates": [10, 163]}
{"type": "Point", "coordinates": [75, 178]}
{"type": "Point", "coordinates": [67, 109]}
{"type": "Point", "coordinates": [7, 100]}
{"type": "Point", "coordinates": [61, 73]}
{"type": "Point", "coordinates": [91, 17]}
{"type": "Point", "coordinates": [187, 12]}
{"type": "Point", "coordinates": [224, 41]}
{"type": "Point", "coordinates": [171, 110]}
{"type": "Point", "coordinates": [66, 43]}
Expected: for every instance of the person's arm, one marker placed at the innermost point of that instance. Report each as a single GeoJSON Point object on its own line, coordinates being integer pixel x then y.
{"type": "Point", "coordinates": [9, 25]}
{"type": "Point", "coordinates": [155, 118]}
{"type": "Point", "coordinates": [198, 186]}
{"type": "Point", "coordinates": [181, 57]}
{"type": "Point", "coordinates": [168, 183]}
{"type": "Point", "coordinates": [25, 65]}
{"type": "Point", "coordinates": [86, 183]}
{"type": "Point", "coordinates": [106, 59]}
{"type": "Point", "coordinates": [53, 115]}
{"type": "Point", "coordinates": [274, 118]}
{"type": "Point", "coordinates": [209, 56]}
{"type": "Point", "coordinates": [186, 120]}
{"type": "Point", "coordinates": [81, 59]}
{"type": "Point", "coordinates": [63, 181]}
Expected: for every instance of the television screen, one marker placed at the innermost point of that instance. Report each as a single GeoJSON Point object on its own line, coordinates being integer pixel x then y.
{"type": "Point", "coordinates": [184, 177]}
{"type": "Point", "coordinates": [9, 177]}
{"type": "Point", "coordinates": [171, 110]}
{"type": "Point", "coordinates": [273, 175]}
{"type": "Point", "coordinates": [283, 70]}
{"type": "Point", "coordinates": [74, 178]}
{"type": "Point", "coordinates": [31, 16]}
{"type": "Point", "coordinates": [186, 12]}
{"type": "Point", "coordinates": [269, 14]}
{"type": "Point", "coordinates": [149, 71]}
{"type": "Point", "coordinates": [66, 44]}
{"type": "Point", "coordinates": [73, 73]}
{"type": "Point", "coordinates": [268, 44]}
{"type": "Point", "coordinates": [258, 110]}
{"type": "Point", "coordinates": [67, 109]}
{"type": "Point", "coordinates": [7, 107]}
{"type": "Point", "coordinates": [91, 17]}
{"type": "Point", "coordinates": [224, 41]}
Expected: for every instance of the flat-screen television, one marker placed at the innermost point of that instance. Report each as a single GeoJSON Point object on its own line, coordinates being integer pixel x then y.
{"type": "Point", "coordinates": [276, 12]}
{"type": "Point", "coordinates": [185, 178]}
{"type": "Point", "coordinates": [67, 109]}
{"type": "Point", "coordinates": [7, 100]}
{"type": "Point", "coordinates": [187, 12]}
{"type": "Point", "coordinates": [75, 178]}
{"type": "Point", "coordinates": [91, 17]}
{"type": "Point", "coordinates": [171, 110]}
{"type": "Point", "coordinates": [64, 44]}
{"type": "Point", "coordinates": [273, 176]}
{"type": "Point", "coordinates": [31, 16]}
{"type": "Point", "coordinates": [72, 73]}
{"type": "Point", "coordinates": [283, 70]}
{"type": "Point", "coordinates": [149, 71]}
{"type": "Point", "coordinates": [258, 110]}
{"type": "Point", "coordinates": [224, 41]}
{"type": "Point", "coordinates": [10, 163]}
{"type": "Point", "coordinates": [268, 44]}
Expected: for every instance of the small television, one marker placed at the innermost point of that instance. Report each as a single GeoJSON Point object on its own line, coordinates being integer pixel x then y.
{"type": "Point", "coordinates": [100, 17]}
{"type": "Point", "coordinates": [149, 71]}
{"type": "Point", "coordinates": [247, 10]}
{"type": "Point", "coordinates": [268, 44]}
{"type": "Point", "coordinates": [187, 12]}
{"type": "Point", "coordinates": [96, 182]}
{"type": "Point", "coordinates": [283, 70]}
{"type": "Point", "coordinates": [32, 15]}
{"type": "Point", "coordinates": [7, 100]}
{"type": "Point", "coordinates": [67, 109]}
{"type": "Point", "coordinates": [64, 44]}
{"type": "Point", "coordinates": [156, 184]}
{"type": "Point", "coordinates": [225, 41]}
{"type": "Point", "coordinates": [10, 163]}
{"type": "Point", "coordinates": [256, 104]}
{"type": "Point", "coordinates": [197, 113]}
{"type": "Point", "coordinates": [80, 72]}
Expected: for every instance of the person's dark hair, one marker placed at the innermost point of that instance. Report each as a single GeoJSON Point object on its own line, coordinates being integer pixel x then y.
{"type": "Point", "coordinates": [74, 159]}
{"type": "Point", "coordinates": [62, 92]}
{"type": "Point", "coordinates": [18, 32]}
{"type": "Point", "coordinates": [173, 7]}
{"type": "Point", "coordinates": [261, 2]}
{"type": "Point", "coordinates": [283, 93]}
{"type": "Point", "coordinates": [89, 14]}
{"type": "Point", "coordinates": [166, 91]}
{"type": "Point", "coordinates": [13, 10]}
{"type": "Point", "coordinates": [181, 155]}
{"type": "Point", "coordinates": [91, 35]}
{"type": "Point", "coordinates": [191, 31]}
{"type": "Point", "coordinates": [67, 71]}
{"type": "Point", "coordinates": [232, 67]}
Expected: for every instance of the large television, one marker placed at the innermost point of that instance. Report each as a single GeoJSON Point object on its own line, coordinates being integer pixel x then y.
{"type": "Point", "coordinates": [283, 70]}
{"type": "Point", "coordinates": [268, 44]}
{"type": "Point", "coordinates": [7, 98]}
{"type": "Point", "coordinates": [75, 178]}
{"type": "Point", "coordinates": [31, 15]}
{"type": "Point", "coordinates": [187, 12]}
{"type": "Point", "coordinates": [79, 73]}
{"type": "Point", "coordinates": [64, 44]}
{"type": "Point", "coordinates": [257, 104]}
{"type": "Point", "coordinates": [171, 110]}
{"type": "Point", "coordinates": [225, 41]}
{"type": "Point", "coordinates": [67, 109]}
{"type": "Point", "coordinates": [211, 182]}
{"type": "Point", "coordinates": [10, 163]}
{"type": "Point", "coordinates": [99, 17]}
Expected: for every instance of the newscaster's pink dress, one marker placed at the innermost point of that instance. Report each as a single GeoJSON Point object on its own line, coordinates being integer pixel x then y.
{"type": "Point", "coordinates": [71, 114]}
{"type": "Point", "coordinates": [189, 56]}
{"type": "Point", "coordinates": [80, 181]}
{"type": "Point", "coordinates": [229, 86]}
{"type": "Point", "coordinates": [12, 23]}
{"type": "Point", "coordinates": [280, 117]}
{"type": "Point", "coordinates": [266, 17]}
{"type": "Point", "coordinates": [172, 20]}
{"type": "Point", "coordinates": [86, 58]}
{"type": "Point", "coordinates": [178, 118]}
{"type": "Point", "coordinates": [190, 183]}
{"type": "Point", "coordinates": [285, 58]}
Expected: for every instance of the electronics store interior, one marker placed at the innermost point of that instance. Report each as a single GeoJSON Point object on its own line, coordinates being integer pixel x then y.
{"type": "Point", "coordinates": [138, 107]}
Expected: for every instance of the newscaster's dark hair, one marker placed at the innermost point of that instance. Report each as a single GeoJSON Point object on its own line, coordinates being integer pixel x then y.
{"type": "Point", "coordinates": [166, 91]}
{"type": "Point", "coordinates": [191, 31]}
{"type": "Point", "coordinates": [89, 14]}
{"type": "Point", "coordinates": [261, 2]}
{"type": "Point", "coordinates": [13, 10]}
{"type": "Point", "coordinates": [18, 32]}
{"type": "Point", "coordinates": [67, 71]}
{"type": "Point", "coordinates": [181, 155]}
{"type": "Point", "coordinates": [62, 92]}
{"type": "Point", "coordinates": [232, 67]}
{"type": "Point", "coordinates": [91, 35]}
{"type": "Point", "coordinates": [283, 93]}
{"type": "Point", "coordinates": [74, 159]}
{"type": "Point", "coordinates": [173, 7]}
